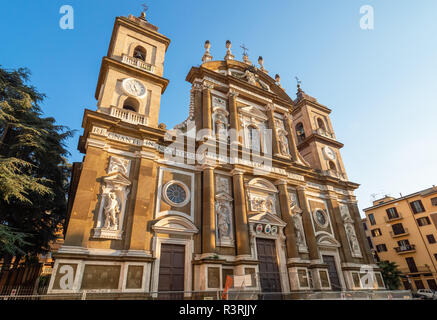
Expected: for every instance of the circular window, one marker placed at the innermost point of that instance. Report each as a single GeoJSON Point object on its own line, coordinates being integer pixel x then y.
{"type": "Point", "coordinates": [176, 194]}
{"type": "Point", "coordinates": [321, 218]}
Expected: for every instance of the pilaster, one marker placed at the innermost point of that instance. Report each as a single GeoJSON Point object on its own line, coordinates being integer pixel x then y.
{"type": "Point", "coordinates": [292, 251]}
{"type": "Point", "coordinates": [241, 221]}
{"type": "Point", "coordinates": [208, 212]}
{"type": "Point", "coordinates": [233, 115]}
{"type": "Point", "coordinates": [307, 225]}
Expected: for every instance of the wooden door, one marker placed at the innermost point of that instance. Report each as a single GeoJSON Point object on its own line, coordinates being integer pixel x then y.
{"type": "Point", "coordinates": [171, 271]}
{"type": "Point", "coordinates": [268, 269]}
{"type": "Point", "coordinates": [332, 271]}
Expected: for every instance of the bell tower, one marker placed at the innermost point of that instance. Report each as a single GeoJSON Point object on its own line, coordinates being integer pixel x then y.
{"type": "Point", "coordinates": [315, 136]}
{"type": "Point", "coordinates": [131, 79]}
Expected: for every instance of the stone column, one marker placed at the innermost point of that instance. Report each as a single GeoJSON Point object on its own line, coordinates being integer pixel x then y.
{"type": "Point", "coordinates": [143, 207]}
{"type": "Point", "coordinates": [292, 251]}
{"type": "Point", "coordinates": [307, 224]}
{"type": "Point", "coordinates": [272, 125]}
{"type": "Point", "coordinates": [241, 221]}
{"type": "Point", "coordinates": [233, 115]}
{"type": "Point", "coordinates": [292, 143]}
{"type": "Point", "coordinates": [206, 103]}
{"type": "Point", "coordinates": [208, 211]}
{"type": "Point", "coordinates": [338, 226]}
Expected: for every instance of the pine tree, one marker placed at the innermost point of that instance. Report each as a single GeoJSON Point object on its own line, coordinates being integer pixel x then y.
{"type": "Point", "coordinates": [33, 167]}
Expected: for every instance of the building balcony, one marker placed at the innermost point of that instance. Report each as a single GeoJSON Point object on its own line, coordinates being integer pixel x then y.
{"type": "Point", "coordinates": [324, 133]}
{"type": "Point", "coordinates": [138, 63]}
{"type": "Point", "coordinates": [418, 269]}
{"type": "Point", "coordinates": [399, 217]}
{"type": "Point", "coordinates": [334, 174]}
{"type": "Point", "coordinates": [400, 234]}
{"type": "Point", "coordinates": [406, 249]}
{"type": "Point", "coordinates": [128, 116]}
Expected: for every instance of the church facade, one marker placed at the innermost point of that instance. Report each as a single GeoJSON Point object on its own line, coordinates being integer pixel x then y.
{"type": "Point", "coordinates": [251, 186]}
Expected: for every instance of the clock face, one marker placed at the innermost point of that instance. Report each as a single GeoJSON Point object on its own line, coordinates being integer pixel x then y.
{"type": "Point", "coordinates": [134, 87]}
{"type": "Point", "coordinates": [330, 154]}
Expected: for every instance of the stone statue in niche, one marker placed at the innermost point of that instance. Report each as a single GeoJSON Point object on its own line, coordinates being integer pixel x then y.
{"type": "Point", "coordinates": [352, 238]}
{"type": "Point", "coordinates": [224, 221]}
{"type": "Point", "coordinates": [350, 230]}
{"type": "Point", "coordinates": [112, 211]}
{"type": "Point", "coordinates": [296, 214]}
{"type": "Point", "coordinates": [283, 141]}
{"type": "Point", "coordinates": [112, 207]}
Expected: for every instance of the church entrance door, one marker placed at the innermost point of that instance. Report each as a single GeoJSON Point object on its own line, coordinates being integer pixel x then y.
{"type": "Point", "coordinates": [171, 272]}
{"type": "Point", "coordinates": [268, 269]}
{"type": "Point", "coordinates": [332, 271]}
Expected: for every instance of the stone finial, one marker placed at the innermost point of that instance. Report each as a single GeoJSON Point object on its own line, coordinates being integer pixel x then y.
{"type": "Point", "coordinates": [278, 80]}
{"type": "Point", "coordinates": [229, 55]}
{"type": "Point", "coordinates": [207, 56]}
{"type": "Point", "coordinates": [261, 64]}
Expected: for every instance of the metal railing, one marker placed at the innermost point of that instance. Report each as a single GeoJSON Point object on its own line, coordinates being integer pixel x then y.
{"type": "Point", "coordinates": [406, 248]}
{"type": "Point", "coordinates": [399, 234]}
{"type": "Point", "coordinates": [390, 219]}
{"type": "Point", "coordinates": [138, 63]}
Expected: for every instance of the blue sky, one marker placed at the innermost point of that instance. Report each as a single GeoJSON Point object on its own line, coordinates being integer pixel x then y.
{"type": "Point", "coordinates": [380, 84]}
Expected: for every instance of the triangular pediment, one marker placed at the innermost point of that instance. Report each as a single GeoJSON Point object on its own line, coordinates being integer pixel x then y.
{"type": "Point", "coordinates": [266, 218]}
{"type": "Point", "coordinates": [253, 112]}
{"type": "Point", "coordinates": [117, 178]}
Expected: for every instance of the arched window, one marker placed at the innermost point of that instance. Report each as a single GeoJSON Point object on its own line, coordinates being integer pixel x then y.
{"type": "Point", "coordinates": [140, 53]}
{"type": "Point", "coordinates": [131, 104]}
{"type": "Point", "coordinates": [332, 166]}
{"type": "Point", "coordinates": [321, 124]}
{"type": "Point", "coordinates": [300, 132]}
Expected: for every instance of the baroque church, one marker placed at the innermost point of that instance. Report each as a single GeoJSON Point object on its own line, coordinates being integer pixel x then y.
{"type": "Point", "coordinates": [149, 217]}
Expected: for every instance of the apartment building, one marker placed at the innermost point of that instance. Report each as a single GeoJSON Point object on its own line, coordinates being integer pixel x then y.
{"type": "Point", "coordinates": [404, 230]}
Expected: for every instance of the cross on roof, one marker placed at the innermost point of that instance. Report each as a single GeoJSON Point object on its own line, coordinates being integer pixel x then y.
{"type": "Point", "coordinates": [244, 49]}
{"type": "Point", "coordinates": [298, 81]}
{"type": "Point", "coordinates": [145, 7]}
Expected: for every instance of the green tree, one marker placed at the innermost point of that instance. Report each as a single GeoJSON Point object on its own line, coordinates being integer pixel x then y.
{"type": "Point", "coordinates": [391, 274]}
{"type": "Point", "coordinates": [33, 167]}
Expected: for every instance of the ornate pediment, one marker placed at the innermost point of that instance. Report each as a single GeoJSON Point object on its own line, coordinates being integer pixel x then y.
{"type": "Point", "coordinates": [327, 241]}
{"type": "Point", "coordinates": [262, 185]}
{"type": "Point", "coordinates": [252, 111]}
{"type": "Point", "coordinates": [175, 224]}
{"type": "Point", "coordinates": [266, 218]}
{"type": "Point", "coordinates": [117, 179]}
